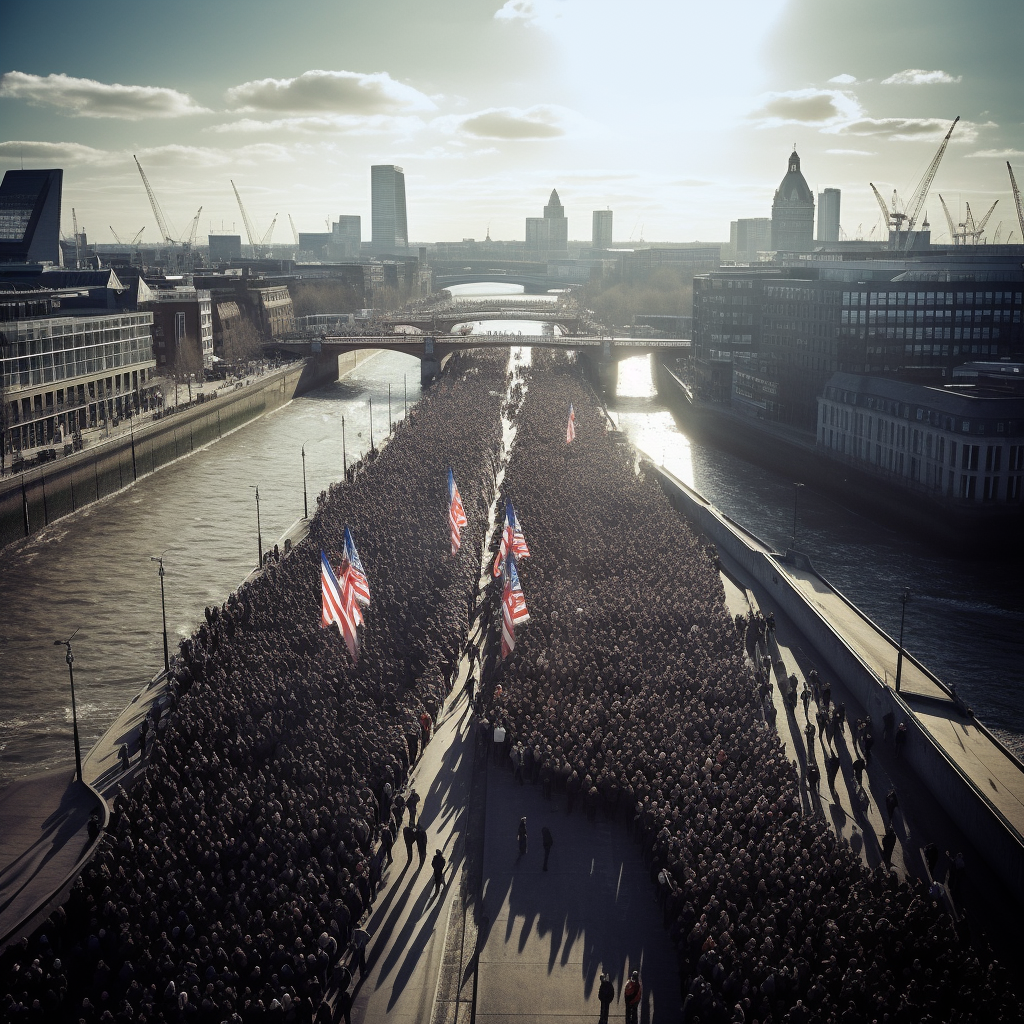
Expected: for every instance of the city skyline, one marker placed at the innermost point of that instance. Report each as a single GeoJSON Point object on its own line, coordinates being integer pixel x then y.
{"type": "Point", "coordinates": [678, 118]}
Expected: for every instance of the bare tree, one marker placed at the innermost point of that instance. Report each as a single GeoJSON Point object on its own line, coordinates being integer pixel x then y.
{"type": "Point", "coordinates": [188, 363]}
{"type": "Point", "coordinates": [325, 296]}
{"type": "Point", "coordinates": [243, 341]}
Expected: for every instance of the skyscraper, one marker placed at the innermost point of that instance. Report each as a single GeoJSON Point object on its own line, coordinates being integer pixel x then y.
{"type": "Point", "coordinates": [30, 216]}
{"type": "Point", "coordinates": [753, 235]}
{"type": "Point", "coordinates": [601, 237]}
{"type": "Point", "coordinates": [387, 192]}
{"type": "Point", "coordinates": [348, 235]}
{"type": "Point", "coordinates": [828, 215]}
{"type": "Point", "coordinates": [550, 233]}
{"type": "Point", "coordinates": [793, 211]}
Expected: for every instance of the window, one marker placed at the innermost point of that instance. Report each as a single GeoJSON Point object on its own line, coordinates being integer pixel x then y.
{"type": "Point", "coordinates": [967, 486]}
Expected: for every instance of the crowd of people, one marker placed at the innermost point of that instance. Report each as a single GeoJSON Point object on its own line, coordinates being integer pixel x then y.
{"type": "Point", "coordinates": [235, 873]}
{"type": "Point", "coordinates": [629, 693]}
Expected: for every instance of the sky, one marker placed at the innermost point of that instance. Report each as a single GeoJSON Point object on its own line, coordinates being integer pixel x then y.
{"type": "Point", "coordinates": [678, 115]}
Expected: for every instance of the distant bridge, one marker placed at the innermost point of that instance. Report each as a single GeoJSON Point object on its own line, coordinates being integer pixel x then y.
{"type": "Point", "coordinates": [535, 283]}
{"type": "Point", "coordinates": [434, 351]}
{"type": "Point", "coordinates": [444, 321]}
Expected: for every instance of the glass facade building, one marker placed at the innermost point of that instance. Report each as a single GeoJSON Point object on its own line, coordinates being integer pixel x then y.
{"type": "Point", "coordinates": [30, 216]}
{"type": "Point", "coordinates": [387, 201]}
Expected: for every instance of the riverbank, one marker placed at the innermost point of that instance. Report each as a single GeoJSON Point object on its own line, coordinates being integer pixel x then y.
{"type": "Point", "coordinates": [44, 494]}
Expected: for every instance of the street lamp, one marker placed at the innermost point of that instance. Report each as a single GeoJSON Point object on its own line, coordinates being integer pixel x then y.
{"type": "Point", "coordinates": [163, 608]}
{"type": "Point", "coordinates": [903, 618]}
{"type": "Point", "coordinates": [371, 423]}
{"type": "Point", "coordinates": [70, 659]}
{"type": "Point", "coordinates": [259, 534]}
{"type": "Point", "coordinates": [344, 457]}
{"type": "Point", "coordinates": [796, 496]}
{"type": "Point", "coordinates": [405, 383]}
{"type": "Point", "coordinates": [389, 408]}
{"type": "Point", "coordinates": [305, 501]}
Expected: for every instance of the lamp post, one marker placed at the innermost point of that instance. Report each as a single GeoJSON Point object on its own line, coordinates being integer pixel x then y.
{"type": "Point", "coordinates": [163, 608]}
{"type": "Point", "coordinates": [70, 659]}
{"type": "Point", "coordinates": [405, 401]}
{"type": "Point", "coordinates": [305, 501]}
{"type": "Point", "coordinates": [796, 497]}
{"type": "Point", "coordinates": [259, 534]}
{"type": "Point", "coordinates": [899, 656]}
{"type": "Point", "coordinates": [344, 457]}
{"type": "Point", "coordinates": [371, 423]}
{"type": "Point", "coordinates": [389, 408]}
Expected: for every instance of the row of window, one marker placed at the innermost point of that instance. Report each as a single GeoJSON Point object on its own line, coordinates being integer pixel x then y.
{"type": "Point", "coordinates": [899, 298]}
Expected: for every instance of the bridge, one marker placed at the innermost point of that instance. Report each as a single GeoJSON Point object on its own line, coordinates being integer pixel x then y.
{"type": "Point", "coordinates": [443, 321]}
{"type": "Point", "coordinates": [433, 351]}
{"type": "Point", "coordinates": [531, 274]}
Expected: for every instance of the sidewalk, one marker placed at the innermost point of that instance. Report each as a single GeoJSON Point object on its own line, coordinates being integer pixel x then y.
{"type": "Point", "coordinates": [407, 924]}
{"type": "Point", "coordinates": [546, 937]}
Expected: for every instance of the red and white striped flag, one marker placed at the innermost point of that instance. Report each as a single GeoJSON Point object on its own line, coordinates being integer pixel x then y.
{"type": "Point", "coordinates": [513, 608]}
{"type": "Point", "coordinates": [570, 427]}
{"type": "Point", "coordinates": [512, 539]}
{"type": "Point", "coordinates": [360, 585]}
{"type": "Point", "coordinates": [337, 608]}
{"type": "Point", "coordinates": [456, 513]}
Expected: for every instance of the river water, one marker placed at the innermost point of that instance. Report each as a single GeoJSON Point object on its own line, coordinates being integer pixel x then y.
{"type": "Point", "coordinates": [92, 571]}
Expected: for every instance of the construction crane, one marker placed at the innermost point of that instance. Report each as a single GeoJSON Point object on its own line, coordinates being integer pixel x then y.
{"type": "Point", "coordinates": [887, 217]}
{"type": "Point", "coordinates": [955, 236]}
{"type": "Point", "coordinates": [265, 241]}
{"type": "Point", "coordinates": [158, 213]}
{"type": "Point", "coordinates": [1016, 199]}
{"type": "Point", "coordinates": [78, 240]}
{"type": "Point", "coordinates": [123, 241]}
{"type": "Point", "coordinates": [254, 239]}
{"type": "Point", "coordinates": [188, 244]}
{"type": "Point", "coordinates": [295, 234]}
{"type": "Point", "coordinates": [921, 192]}
{"type": "Point", "coordinates": [998, 233]}
{"type": "Point", "coordinates": [979, 229]}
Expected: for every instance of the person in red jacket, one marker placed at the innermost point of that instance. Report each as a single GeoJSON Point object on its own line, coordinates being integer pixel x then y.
{"type": "Point", "coordinates": [632, 995]}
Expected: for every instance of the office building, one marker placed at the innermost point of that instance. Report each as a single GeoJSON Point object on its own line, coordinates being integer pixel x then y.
{"type": "Point", "coordinates": [602, 231]}
{"type": "Point", "coordinates": [387, 205]}
{"type": "Point", "coordinates": [346, 237]}
{"type": "Point", "coordinates": [963, 445]}
{"type": "Point", "coordinates": [550, 233]}
{"type": "Point", "coordinates": [225, 248]}
{"type": "Point", "coordinates": [313, 244]}
{"type": "Point", "coordinates": [688, 260]}
{"type": "Point", "coordinates": [750, 236]}
{"type": "Point", "coordinates": [767, 338]}
{"type": "Point", "coordinates": [182, 327]}
{"type": "Point", "coordinates": [30, 216]}
{"type": "Point", "coordinates": [793, 211]}
{"type": "Point", "coordinates": [828, 215]}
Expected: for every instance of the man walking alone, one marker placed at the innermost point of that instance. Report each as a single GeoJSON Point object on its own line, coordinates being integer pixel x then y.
{"type": "Point", "coordinates": [633, 993]}
{"type": "Point", "coordinates": [438, 864]}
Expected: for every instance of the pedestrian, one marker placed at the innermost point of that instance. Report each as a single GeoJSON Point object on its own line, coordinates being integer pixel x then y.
{"type": "Point", "coordinates": [572, 789]}
{"type": "Point", "coordinates": [826, 693]}
{"type": "Point", "coordinates": [892, 801]}
{"type": "Point", "coordinates": [123, 756]}
{"type": "Point", "coordinates": [901, 738]}
{"type": "Point", "coordinates": [858, 772]}
{"type": "Point", "coordinates": [840, 718]}
{"type": "Point", "coordinates": [387, 841]}
{"type": "Point", "coordinates": [805, 697]}
{"type": "Point", "coordinates": [814, 774]}
{"type": "Point", "coordinates": [343, 1009]}
{"type": "Point", "coordinates": [425, 726]}
{"type": "Point", "coordinates": [438, 864]}
{"type": "Point", "coordinates": [633, 993]}
{"type": "Point", "coordinates": [809, 733]}
{"type": "Point", "coordinates": [421, 843]}
{"type": "Point", "coordinates": [517, 763]}
{"type": "Point", "coordinates": [547, 842]}
{"type": "Point", "coordinates": [888, 845]}
{"type": "Point", "coordinates": [867, 742]}
{"type": "Point", "coordinates": [409, 835]}
{"type": "Point", "coordinates": [521, 836]}
{"type": "Point", "coordinates": [413, 804]}
{"type": "Point", "coordinates": [499, 741]}
{"type": "Point", "coordinates": [360, 940]}
{"type": "Point", "coordinates": [605, 995]}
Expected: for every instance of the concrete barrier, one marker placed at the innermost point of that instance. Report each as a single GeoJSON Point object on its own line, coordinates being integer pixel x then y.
{"type": "Point", "coordinates": [968, 805]}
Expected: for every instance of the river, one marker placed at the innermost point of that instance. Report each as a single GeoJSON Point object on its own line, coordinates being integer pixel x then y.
{"type": "Point", "coordinates": [92, 571]}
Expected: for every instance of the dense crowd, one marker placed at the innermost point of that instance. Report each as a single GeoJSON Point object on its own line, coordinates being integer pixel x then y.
{"type": "Point", "coordinates": [628, 690]}
{"type": "Point", "coordinates": [235, 871]}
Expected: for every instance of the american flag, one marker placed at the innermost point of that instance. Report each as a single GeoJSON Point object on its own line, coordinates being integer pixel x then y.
{"type": "Point", "coordinates": [512, 539]}
{"type": "Point", "coordinates": [513, 608]}
{"type": "Point", "coordinates": [357, 577]}
{"type": "Point", "coordinates": [570, 427]}
{"type": "Point", "coordinates": [335, 608]}
{"type": "Point", "coordinates": [456, 513]}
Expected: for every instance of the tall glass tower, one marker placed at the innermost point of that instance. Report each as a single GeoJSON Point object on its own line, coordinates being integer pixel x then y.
{"type": "Point", "coordinates": [30, 216]}
{"type": "Point", "coordinates": [387, 193]}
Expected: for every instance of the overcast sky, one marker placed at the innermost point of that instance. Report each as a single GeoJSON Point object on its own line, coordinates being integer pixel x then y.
{"type": "Point", "coordinates": [678, 115]}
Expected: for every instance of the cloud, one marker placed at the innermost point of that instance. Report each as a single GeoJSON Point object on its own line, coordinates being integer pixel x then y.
{"type": "Point", "coordinates": [511, 124]}
{"type": "Point", "coordinates": [83, 97]}
{"type": "Point", "coordinates": [806, 106]}
{"type": "Point", "coordinates": [998, 154]}
{"type": "Point", "coordinates": [851, 152]}
{"type": "Point", "coordinates": [906, 129]}
{"type": "Point", "coordinates": [51, 154]}
{"type": "Point", "coordinates": [842, 80]}
{"type": "Point", "coordinates": [330, 92]}
{"type": "Point", "coordinates": [517, 10]}
{"type": "Point", "coordinates": [376, 124]}
{"type": "Point", "coordinates": [917, 76]}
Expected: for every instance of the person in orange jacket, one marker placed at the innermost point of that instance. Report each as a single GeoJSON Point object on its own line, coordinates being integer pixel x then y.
{"type": "Point", "coordinates": [633, 993]}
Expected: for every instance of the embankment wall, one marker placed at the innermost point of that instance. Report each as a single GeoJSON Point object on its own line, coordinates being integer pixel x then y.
{"type": "Point", "coordinates": [38, 497]}
{"type": "Point", "coordinates": [965, 802]}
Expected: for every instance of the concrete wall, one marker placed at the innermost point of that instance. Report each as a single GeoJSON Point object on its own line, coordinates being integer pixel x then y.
{"type": "Point", "coordinates": [36, 498]}
{"type": "Point", "coordinates": [966, 804]}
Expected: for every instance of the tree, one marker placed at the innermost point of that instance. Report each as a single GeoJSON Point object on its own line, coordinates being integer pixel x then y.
{"type": "Point", "coordinates": [242, 341]}
{"type": "Point", "coordinates": [666, 291]}
{"type": "Point", "coordinates": [325, 296]}
{"type": "Point", "coordinates": [188, 363]}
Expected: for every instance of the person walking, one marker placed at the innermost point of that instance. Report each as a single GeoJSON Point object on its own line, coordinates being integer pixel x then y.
{"type": "Point", "coordinates": [892, 801]}
{"type": "Point", "coordinates": [901, 738]}
{"type": "Point", "coordinates": [438, 864]}
{"type": "Point", "coordinates": [413, 804]}
{"type": "Point", "coordinates": [387, 841]}
{"type": "Point", "coordinates": [632, 994]}
{"type": "Point", "coordinates": [809, 731]}
{"type": "Point", "coordinates": [409, 835]}
{"type": "Point", "coordinates": [547, 841]}
{"type": "Point", "coordinates": [343, 1008]}
{"type": "Point", "coordinates": [605, 995]}
{"type": "Point", "coordinates": [421, 844]}
{"type": "Point", "coordinates": [360, 940]}
{"type": "Point", "coordinates": [858, 772]}
{"type": "Point", "coordinates": [521, 836]}
{"type": "Point", "coordinates": [805, 698]}
{"type": "Point", "coordinates": [888, 845]}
